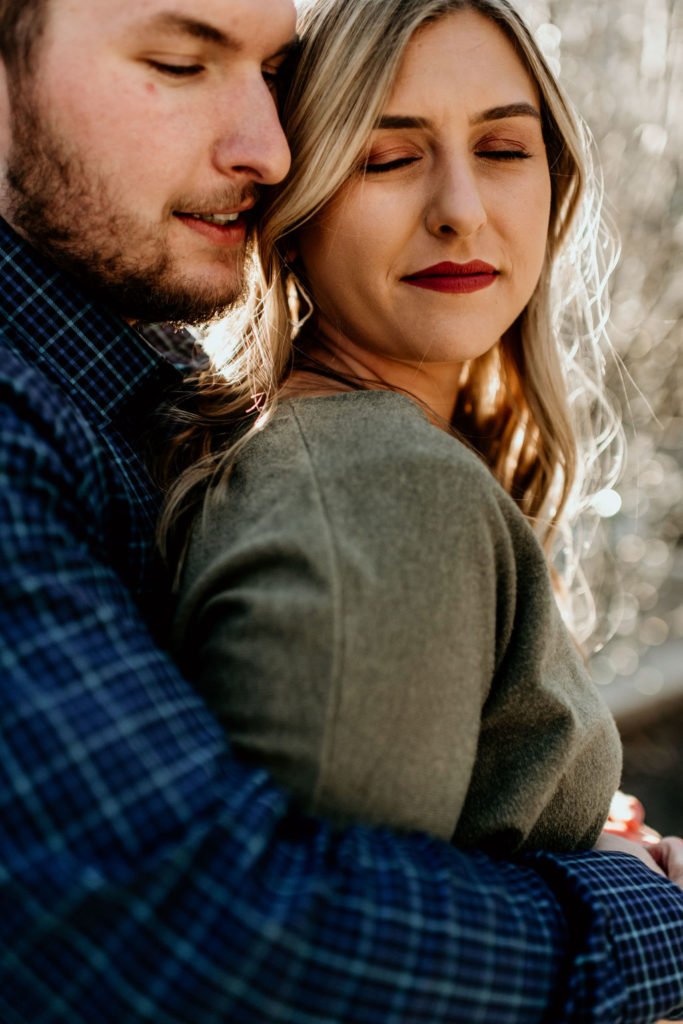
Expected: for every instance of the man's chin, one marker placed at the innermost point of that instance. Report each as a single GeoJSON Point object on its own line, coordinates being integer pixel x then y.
{"type": "Point", "coordinates": [160, 297]}
{"type": "Point", "coordinates": [180, 309]}
{"type": "Point", "coordinates": [199, 294]}
{"type": "Point", "coordinates": [148, 287]}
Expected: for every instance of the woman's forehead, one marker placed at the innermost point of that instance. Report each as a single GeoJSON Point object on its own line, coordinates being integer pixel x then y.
{"type": "Point", "coordinates": [461, 54]}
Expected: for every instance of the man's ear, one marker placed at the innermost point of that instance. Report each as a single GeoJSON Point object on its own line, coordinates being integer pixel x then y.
{"type": "Point", "coordinates": [5, 118]}
{"type": "Point", "coordinates": [5, 135]}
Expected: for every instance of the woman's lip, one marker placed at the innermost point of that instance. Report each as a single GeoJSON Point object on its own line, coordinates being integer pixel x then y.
{"type": "Point", "coordinates": [448, 269]}
{"type": "Point", "coordinates": [454, 278]}
{"type": "Point", "coordinates": [454, 284]}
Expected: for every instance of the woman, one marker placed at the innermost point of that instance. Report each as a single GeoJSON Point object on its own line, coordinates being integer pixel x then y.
{"type": "Point", "coordinates": [368, 611]}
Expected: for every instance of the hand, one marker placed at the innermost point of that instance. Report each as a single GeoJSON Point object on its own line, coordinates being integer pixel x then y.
{"type": "Point", "coordinates": [669, 855]}
{"type": "Point", "coordinates": [610, 843]}
{"type": "Point", "coordinates": [627, 819]}
{"type": "Point", "coordinates": [665, 856]}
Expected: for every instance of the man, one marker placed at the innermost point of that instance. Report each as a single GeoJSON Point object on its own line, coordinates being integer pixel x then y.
{"type": "Point", "coordinates": [145, 874]}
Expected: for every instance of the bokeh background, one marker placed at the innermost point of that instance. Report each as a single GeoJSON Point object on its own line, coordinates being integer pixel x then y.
{"type": "Point", "coordinates": [621, 62]}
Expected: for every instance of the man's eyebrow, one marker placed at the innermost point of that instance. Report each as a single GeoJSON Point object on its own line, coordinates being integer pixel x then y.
{"type": "Point", "coordinates": [180, 24]}
{"type": "Point", "coordinates": [509, 110]}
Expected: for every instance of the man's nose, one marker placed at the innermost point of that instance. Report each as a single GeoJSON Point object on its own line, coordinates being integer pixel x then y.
{"type": "Point", "coordinates": [252, 143]}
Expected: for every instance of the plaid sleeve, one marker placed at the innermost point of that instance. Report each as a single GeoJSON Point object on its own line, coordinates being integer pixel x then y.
{"type": "Point", "coordinates": [147, 876]}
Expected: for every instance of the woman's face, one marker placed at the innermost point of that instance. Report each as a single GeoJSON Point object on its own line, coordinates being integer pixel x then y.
{"type": "Point", "coordinates": [431, 254]}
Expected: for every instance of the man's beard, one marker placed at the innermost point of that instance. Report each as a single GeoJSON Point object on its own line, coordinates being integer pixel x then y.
{"type": "Point", "coordinates": [75, 218]}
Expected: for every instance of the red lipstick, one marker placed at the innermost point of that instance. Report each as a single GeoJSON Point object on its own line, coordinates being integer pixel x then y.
{"type": "Point", "coordinates": [455, 278]}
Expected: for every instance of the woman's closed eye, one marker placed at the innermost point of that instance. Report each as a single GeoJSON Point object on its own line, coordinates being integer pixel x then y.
{"type": "Point", "coordinates": [380, 165]}
{"type": "Point", "coordinates": [383, 163]}
{"type": "Point", "coordinates": [503, 154]}
{"type": "Point", "coordinates": [499, 147]}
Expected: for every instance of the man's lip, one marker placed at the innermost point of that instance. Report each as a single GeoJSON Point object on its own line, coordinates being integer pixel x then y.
{"type": "Point", "coordinates": [229, 235]}
{"type": "Point", "coordinates": [242, 208]}
{"type": "Point", "coordinates": [196, 214]}
{"type": "Point", "coordinates": [448, 269]}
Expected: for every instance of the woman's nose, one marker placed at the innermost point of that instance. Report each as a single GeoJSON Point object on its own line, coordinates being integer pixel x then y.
{"type": "Point", "coordinates": [456, 205]}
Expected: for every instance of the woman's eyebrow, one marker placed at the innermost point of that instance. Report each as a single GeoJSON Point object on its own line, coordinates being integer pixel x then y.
{"type": "Point", "coordinates": [401, 121]}
{"type": "Point", "coordinates": [509, 110]}
{"type": "Point", "coordinates": [492, 114]}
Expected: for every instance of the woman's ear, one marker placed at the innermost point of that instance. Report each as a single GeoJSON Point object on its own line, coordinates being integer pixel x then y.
{"type": "Point", "coordinates": [289, 249]}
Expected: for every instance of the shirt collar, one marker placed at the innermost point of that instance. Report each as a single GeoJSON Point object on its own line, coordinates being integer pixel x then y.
{"type": "Point", "coordinates": [104, 365]}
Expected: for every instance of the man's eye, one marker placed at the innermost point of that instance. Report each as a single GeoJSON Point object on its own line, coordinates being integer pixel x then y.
{"type": "Point", "coordinates": [176, 70]}
{"type": "Point", "coordinates": [271, 76]}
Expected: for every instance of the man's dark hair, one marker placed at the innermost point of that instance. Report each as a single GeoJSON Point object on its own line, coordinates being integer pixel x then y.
{"type": "Point", "coordinates": [21, 24]}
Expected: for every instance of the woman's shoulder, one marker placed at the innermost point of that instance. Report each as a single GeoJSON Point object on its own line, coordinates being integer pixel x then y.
{"type": "Point", "coordinates": [362, 478]}
{"type": "Point", "coordinates": [379, 422]}
{"type": "Point", "coordinates": [377, 439]}
{"type": "Point", "coordinates": [377, 455]}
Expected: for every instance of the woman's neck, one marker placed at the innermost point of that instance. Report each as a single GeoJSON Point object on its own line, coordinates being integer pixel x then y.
{"type": "Point", "coordinates": [331, 362]}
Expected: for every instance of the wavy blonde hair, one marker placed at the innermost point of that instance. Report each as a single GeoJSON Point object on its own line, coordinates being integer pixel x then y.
{"type": "Point", "coordinates": [533, 407]}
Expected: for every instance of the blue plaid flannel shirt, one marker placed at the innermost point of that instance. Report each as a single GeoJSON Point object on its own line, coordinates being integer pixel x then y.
{"type": "Point", "coordinates": [145, 875]}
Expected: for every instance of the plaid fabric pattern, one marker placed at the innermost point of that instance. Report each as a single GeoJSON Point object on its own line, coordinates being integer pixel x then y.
{"type": "Point", "coordinates": [147, 876]}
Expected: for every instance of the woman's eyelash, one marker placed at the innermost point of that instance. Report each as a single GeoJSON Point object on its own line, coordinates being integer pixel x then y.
{"type": "Point", "coordinates": [504, 154]}
{"type": "Point", "coordinates": [489, 154]}
{"type": "Point", "coordinates": [176, 70]}
{"type": "Point", "coordinates": [389, 165]}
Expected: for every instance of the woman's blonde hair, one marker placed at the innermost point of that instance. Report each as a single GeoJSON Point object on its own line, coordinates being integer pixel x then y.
{"type": "Point", "coordinates": [533, 407]}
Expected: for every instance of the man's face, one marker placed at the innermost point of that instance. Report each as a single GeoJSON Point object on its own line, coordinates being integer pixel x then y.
{"type": "Point", "coordinates": [138, 142]}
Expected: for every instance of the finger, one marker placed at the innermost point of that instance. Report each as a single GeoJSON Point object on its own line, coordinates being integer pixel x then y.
{"type": "Point", "coordinates": [668, 853]}
{"type": "Point", "coordinates": [630, 830]}
{"type": "Point", "coordinates": [626, 807]}
{"type": "Point", "coordinates": [648, 835]}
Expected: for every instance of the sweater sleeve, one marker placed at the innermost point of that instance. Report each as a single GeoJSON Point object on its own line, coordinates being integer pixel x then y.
{"type": "Point", "coordinates": [351, 611]}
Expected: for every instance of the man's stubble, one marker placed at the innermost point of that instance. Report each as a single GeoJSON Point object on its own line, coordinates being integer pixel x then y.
{"type": "Point", "coordinates": [73, 215]}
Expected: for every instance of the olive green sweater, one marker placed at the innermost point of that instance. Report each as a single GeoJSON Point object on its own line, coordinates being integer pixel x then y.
{"type": "Point", "coordinates": [371, 618]}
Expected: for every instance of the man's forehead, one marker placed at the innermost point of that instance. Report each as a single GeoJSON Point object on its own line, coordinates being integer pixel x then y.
{"type": "Point", "coordinates": [236, 23]}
